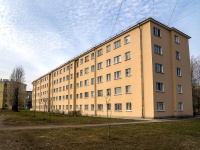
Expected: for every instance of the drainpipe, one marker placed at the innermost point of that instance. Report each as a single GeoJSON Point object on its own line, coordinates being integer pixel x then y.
{"type": "Point", "coordinates": [141, 70]}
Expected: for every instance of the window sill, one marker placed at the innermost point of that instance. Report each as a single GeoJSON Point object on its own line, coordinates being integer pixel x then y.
{"type": "Point", "coordinates": [117, 94]}
{"type": "Point", "coordinates": [108, 66]}
{"type": "Point", "coordinates": [99, 110]}
{"type": "Point", "coordinates": [127, 59]}
{"type": "Point", "coordinates": [160, 91]}
{"type": "Point", "coordinates": [160, 110]}
{"type": "Point", "coordinates": [99, 82]}
{"type": "Point", "coordinates": [128, 110]}
{"type": "Point", "coordinates": [129, 93]}
{"type": "Point", "coordinates": [117, 78]}
{"type": "Point", "coordinates": [118, 110]}
{"type": "Point", "coordinates": [180, 92]}
{"type": "Point", "coordinates": [117, 47]}
{"type": "Point", "coordinates": [117, 63]}
{"type": "Point", "coordinates": [126, 43]}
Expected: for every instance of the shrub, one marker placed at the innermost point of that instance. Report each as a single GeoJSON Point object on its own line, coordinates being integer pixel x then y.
{"type": "Point", "coordinates": [75, 113]}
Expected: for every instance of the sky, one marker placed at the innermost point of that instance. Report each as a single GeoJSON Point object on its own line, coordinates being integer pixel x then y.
{"type": "Point", "coordinates": [41, 35]}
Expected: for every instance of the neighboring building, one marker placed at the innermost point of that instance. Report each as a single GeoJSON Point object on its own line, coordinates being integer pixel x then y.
{"type": "Point", "coordinates": [145, 70]}
{"type": "Point", "coordinates": [28, 99]}
{"type": "Point", "coordinates": [6, 94]}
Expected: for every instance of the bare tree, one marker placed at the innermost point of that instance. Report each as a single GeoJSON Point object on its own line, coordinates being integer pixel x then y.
{"type": "Point", "coordinates": [18, 88]}
{"type": "Point", "coordinates": [108, 108]}
{"type": "Point", "coordinates": [195, 76]}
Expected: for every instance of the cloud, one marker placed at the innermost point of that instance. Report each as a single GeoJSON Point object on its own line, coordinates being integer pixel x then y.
{"type": "Point", "coordinates": [42, 35]}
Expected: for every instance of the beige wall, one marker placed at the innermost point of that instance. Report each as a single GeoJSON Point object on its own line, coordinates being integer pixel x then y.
{"type": "Point", "coordinates": [143, 77]}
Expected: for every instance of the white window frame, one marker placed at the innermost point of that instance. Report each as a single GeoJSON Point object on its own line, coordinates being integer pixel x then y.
{"type": "Point", "coordinates": [100, 107]}
{"type": "Point", "coordinates": [128, 72]}
{"type": "Point", "coordinates": [178, 55]}
{"type": "Point", "coordinates": [108, 92]}
{"type": "Point", "coordinates": [157, 49]}
{"type": "Point", "coordinates": [160, 106]}
{"type": "Point", "coordinates": [128, 89]}
{"type": "Point", "coordinates": [127, 55]}
{"type": "Point", "coordinates": [127, 39]}
{"type": "Point", "coordinates": [86, 107]}
{"type": "Point", "coordinates": [92, 93]}
{"type": "Point", "coordinates": [117, 75]}
{"type": "Point", "coordinates": [108, 48]}
{"type": "Point", "coordinates": [118, 106]}
{"type": "Point", "coordinates": [100, 93]}
{"type": "Point", "coordinates": [99, 65]}
{"type": "Point", "coordinates": [117, 59]}
{"type": "Point", "coordinates": [128, 106]}
{"type": "Point", "coordinates": [86, 94]}
{"type": "Point", "coordinates": [108, 77]}
{"type": "Point", "coordinates": [99, 79]}
{"type": "Point", "coordinates": [99, 52]}
{"type": "Point", "coordinates": [108, 62]}
{"type": "Point", "coordinates": [176, 38]}
{"type": "Point", "coordinates": [156, 32]}
{"type": "Point", "coordinates": [117, 44]}
{"type": "Point", "coordinates": [178, 72]}
{"type": "Point", "coordinates": [118, 90]}
{"type": "Point", "coordinates": [158, 68]}
{"type": "Point", "coordinates": [180, 106]}
{"type": "Point", "coordinates": [159, 87]}
{"type": "Point", "coordinates": [179, 89]}
{"type": "Point", "coordinates": [86, 82]}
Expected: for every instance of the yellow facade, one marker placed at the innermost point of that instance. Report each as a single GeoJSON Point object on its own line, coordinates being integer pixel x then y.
{"type": "Point", "coordinates": [6, 94]}
{"type": "Point", "coordinates": [143, 71]}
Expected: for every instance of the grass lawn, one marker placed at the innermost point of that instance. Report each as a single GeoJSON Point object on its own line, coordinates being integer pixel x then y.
{"type": "Point", "coordinates": [179, 135]}
{"type": "Point", "coordinates": [26, 118]}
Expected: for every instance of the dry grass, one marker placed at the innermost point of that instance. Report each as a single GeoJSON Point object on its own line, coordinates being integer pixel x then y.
{"type": "Point", "coordinates": [183, 135]}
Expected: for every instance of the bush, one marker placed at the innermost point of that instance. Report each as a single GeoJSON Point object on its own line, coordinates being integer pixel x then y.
{"type": "Point", "coordinates": [75, 113]}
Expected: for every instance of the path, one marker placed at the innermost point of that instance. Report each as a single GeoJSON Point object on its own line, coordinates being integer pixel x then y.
{"type": "Point", "coordinates": [3, 127]}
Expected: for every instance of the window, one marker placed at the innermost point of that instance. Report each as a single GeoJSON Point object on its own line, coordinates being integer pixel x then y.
{"type": "Point", "coordinates": [92, 56]}
{"type": "Point", "coordinates": [117, 44]}
{"type": "Point", "coordinates": [160, 106]}
{"type": "Point", "coordinates": [86, 70]}
{"type": "Point", "coordinates": [76, 96]}
{"type": "Point", "coordinates": [71, 76]}
{"type": "Point", "coordinates": [108, 106]}
{"type": "Point", "coordinates": [81, 61]}
{"type": "Point", "coordinates": [81, 95]}
{"type": "Point", "coordinates": [60, 80]}
{"type": "Point", "coordinates": [118, 90]}
{"type": "Point", "coordinates": [100, 79]}
{"type": "Point", "coordinates": [92, 68]}
{"type": "Point", "coordinates": [117, 59]}
{"type": "Point", "coordinates": [159, 87]}
{"type": "Point", "coordinates": [66, 107]}
{"type": "Point", "coordinates": [67, 67]}
{"type": "Point", "coordinates": [86, 94]}
{"type": "Point", "coordinates": [177, 55]}
{"type": "Point", "coordinates": [86, 58]}
{"type": "Point", "coordinates": [86, 82]}
{"type": "Point", "coordinates": [178, 71]}
{"type": "Point", "coordinates": [76, 107]}
{"type": "Point", "coordinates": [156, 31]}
{"type": "Point", "coordinates": [176, 38]}
{"type": "Point", "coordinates": [67, 97]}
{"type": "Point", "coordinates": [108, 62]}
{"type": "Point", "coordinates": [77, 75]}
{"type": "Point", "coordinates": [81, 83]}
{"type": "Point", "coordinates": [127, 39]}
{"type": "Point", "coordinates": [71, 66]}
{"type": "Point", "coordinates": [157, 50]}
{"type": "Point", "coordinates": [92, 81]}
{"type": "Point", "coordinates": [60, 71]}
{"type": "Point", "coordinates": [108, 77]}
{"type": "Point", "coordinates": [127, 55]}
{"type": "Point", "coordinates": [92, 93]}
{"type": "Point", "coordinates": [77, 85]}
{"type": "Point", "coordinates": [108, 92]}
{"type": "Point", "coordinates": [100, 65]}
{"type": "Point", "coordinates": [100, 93]}
{"type": "Point", "coordinates": [80, 107]}
{"type": "Point", "coordinates": [159, 68]}
{"type": "Point", "coordinates": [100, 106]}
{"type": "Point", "coordinates": [117, 75]}
{"type": "Point", "coordinates": [128, 72]}
{"type": "Point", "coordinates": [179, 89]}
{"type": "Point", "coordinates": [67, 86]}
{"type": "Point", "coordinates": [128, 107]}
{"type": "Point", "coordinates": [118, 107]}
{"type": "Point", "coordinates": [81, 72]}
{"type": "Point", "coordinates": [92, 106]}
{"type": "Point", "coordinates": [70, 107]}
{"type": "Point", "coordinates": [180, 106]}
{"type": "Point", "coordinates": [70, 96]}
{"type": "Point", "coordinates": [67, 77]}
{"type": "Point", "coordinates": [70, 86]}
{"type": "Point", "coordinates": [100, 52]}
{"type": "Point", "coordinates": [108, 48]}
{"type": "Point", "coordinates": [128, 89]}
{"type": "Point", "coordinates": [77, 64]}
{"type": "Point", "coordinates": [86, 106]}
{"type": "Point", "coordinates": [63, 80]}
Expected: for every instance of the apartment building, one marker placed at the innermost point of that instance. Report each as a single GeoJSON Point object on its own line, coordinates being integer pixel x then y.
{"type": "Point", "coordinates": [143, 71]}
{"type": "Point", "coordinates": [7, 94]}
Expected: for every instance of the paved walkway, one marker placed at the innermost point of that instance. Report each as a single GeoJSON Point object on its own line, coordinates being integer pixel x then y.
{"type": "Point", "coordinates": [4, 127]}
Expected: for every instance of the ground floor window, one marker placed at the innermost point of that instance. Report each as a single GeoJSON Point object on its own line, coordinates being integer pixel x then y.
{"type": "Point", "coordinates": [180, 106]}
{"type": "Point", "coordinates": [118, 107]}
{"type": "Point", "coordinates": [128, 106]}
{"type": "Point", "coordinates": [160, 106]}
{"type": "Point", "coordinates": [100, 106]}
